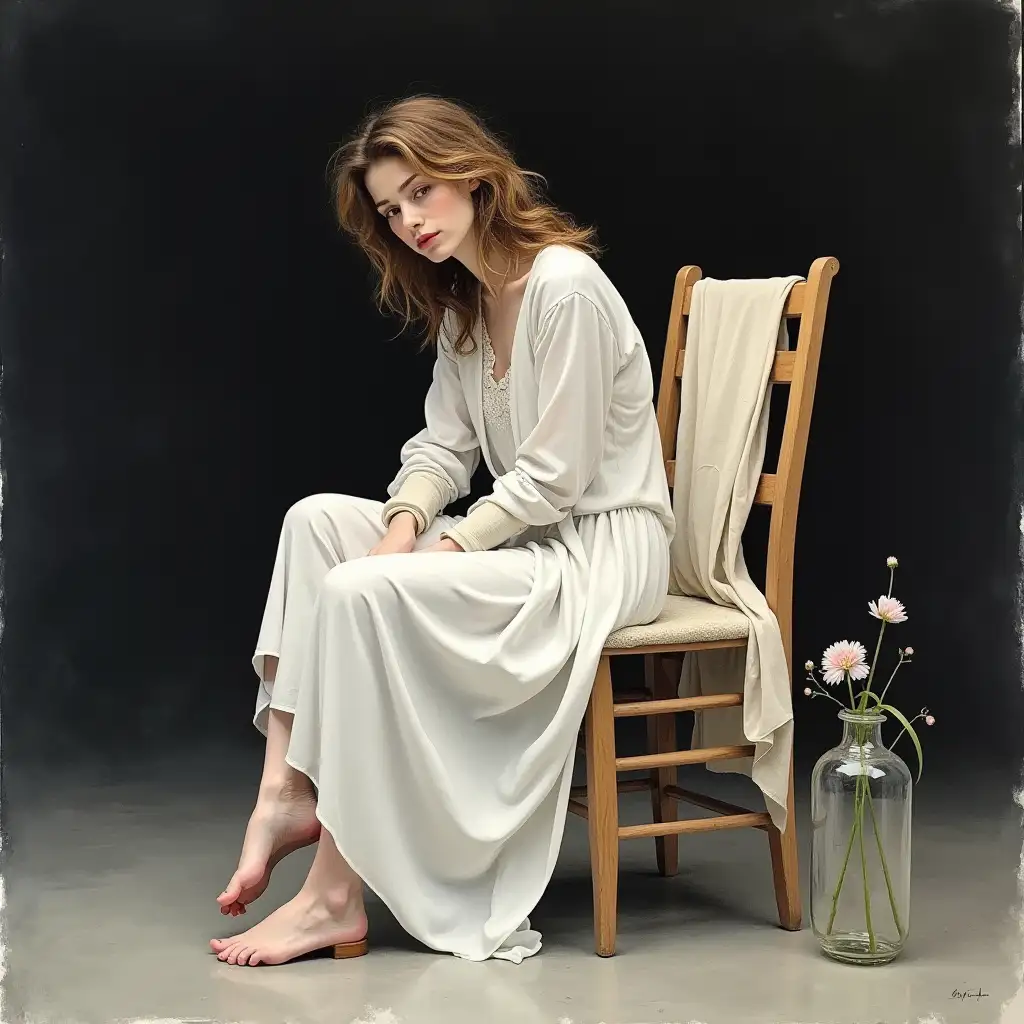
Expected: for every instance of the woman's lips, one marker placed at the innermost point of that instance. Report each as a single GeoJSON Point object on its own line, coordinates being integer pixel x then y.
{"type": "Point", "coordinates": [427, 239]}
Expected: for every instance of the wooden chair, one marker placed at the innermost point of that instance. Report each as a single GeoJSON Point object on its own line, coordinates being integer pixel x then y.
{"type": "Point", "coordinates": [687, 624]}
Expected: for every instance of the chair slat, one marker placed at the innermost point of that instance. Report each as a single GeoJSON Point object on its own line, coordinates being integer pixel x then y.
{"type": "Point", "coordinates": [782, 366]}
{"type": "Point", "coordinates": [635, 709]}
{"type": "Point", "coordinates": [709, 803]}
{"type": "Point", "coordinates": [624, 786]}
{"type": "Point", "coordinates": [699, 756]}
{"type": "Point", "coordinates": [752, 820]}
{"type": "Point", "coordinates": [764, 495]}
{"type": "Point", "coordinates": [578, 808]}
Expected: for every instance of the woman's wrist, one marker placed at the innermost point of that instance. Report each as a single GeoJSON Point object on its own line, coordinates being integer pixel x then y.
{"type": "Point", "coordinates": [403, 522]}
{"type": "Point", "coordinates": [423, 495]}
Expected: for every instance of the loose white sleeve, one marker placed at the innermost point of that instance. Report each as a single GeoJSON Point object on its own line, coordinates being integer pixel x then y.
{"type": "Point", "coordinates": [576, 357]}
{"type": "Point", "coordinates": [447, 447]}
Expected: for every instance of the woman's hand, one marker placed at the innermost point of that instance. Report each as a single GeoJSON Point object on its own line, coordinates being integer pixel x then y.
{"type": "Point", "coordinates": [447, 544]}
{"type": "Point", "coordinates": [400, 538]}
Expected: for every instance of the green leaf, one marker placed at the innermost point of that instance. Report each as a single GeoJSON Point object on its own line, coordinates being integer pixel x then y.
{"type": "Point", "coordinates": [910, 733]}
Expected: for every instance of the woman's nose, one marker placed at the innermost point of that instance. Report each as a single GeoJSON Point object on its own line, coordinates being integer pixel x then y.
{"type": "Point", "coordinates": [413, 219]}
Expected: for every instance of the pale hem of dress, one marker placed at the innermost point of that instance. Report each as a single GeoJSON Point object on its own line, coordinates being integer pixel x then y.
{"type": "Point", "coordinates": [265, 696]}
{"type": "Point", "coordinates": [523, 942]}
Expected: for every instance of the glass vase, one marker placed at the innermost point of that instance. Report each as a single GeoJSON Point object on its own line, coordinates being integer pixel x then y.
{"type": "Point", "coordinates": [860, 849]}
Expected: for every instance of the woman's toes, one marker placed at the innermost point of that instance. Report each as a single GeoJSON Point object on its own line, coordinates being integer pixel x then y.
{"type": "Point", "coordinates": [230, 894]}
{"type": "Point", "coordinates": [230, 955]}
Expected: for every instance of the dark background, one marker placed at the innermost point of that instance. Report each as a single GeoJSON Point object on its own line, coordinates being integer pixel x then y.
{"type": "Point", "coordinates": [189, 345]}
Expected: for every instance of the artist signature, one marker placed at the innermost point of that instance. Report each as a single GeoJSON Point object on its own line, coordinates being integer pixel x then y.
{"type": "Point", "coordinates": [963, 994]}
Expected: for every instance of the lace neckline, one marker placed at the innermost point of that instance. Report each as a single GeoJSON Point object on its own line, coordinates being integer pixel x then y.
{"type": "Point", "coordinates": [489, 360]}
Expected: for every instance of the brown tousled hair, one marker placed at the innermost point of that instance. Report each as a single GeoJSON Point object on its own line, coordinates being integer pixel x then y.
{"type": "Point", "coordinates": [445, 141]}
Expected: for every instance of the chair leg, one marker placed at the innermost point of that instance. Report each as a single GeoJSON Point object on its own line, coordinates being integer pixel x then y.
{"type": "Point", "coordinates": [661, 738]}
{"type": "Point", "coordinates": [603, 809]}
{"type": "Point", "coordinates": [785, 865]}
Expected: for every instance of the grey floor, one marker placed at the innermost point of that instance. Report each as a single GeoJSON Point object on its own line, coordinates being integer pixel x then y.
{"type": "Point", "coordinates": [110, 902]}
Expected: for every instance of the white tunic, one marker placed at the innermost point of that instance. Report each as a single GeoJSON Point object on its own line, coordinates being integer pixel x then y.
{"type": "Point", "coordinates": [437, 698]}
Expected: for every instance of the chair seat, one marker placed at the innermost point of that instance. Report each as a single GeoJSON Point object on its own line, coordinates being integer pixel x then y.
{"type": "Point", "coordinates": [684, 620]}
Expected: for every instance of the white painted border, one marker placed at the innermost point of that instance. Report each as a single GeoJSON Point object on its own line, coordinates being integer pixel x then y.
{"type": "Point", "coordinates": [1012, 1010]}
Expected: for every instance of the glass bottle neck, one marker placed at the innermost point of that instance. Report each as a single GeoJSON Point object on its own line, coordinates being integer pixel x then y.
{"type": "Point", "coordinates": [860, 733]}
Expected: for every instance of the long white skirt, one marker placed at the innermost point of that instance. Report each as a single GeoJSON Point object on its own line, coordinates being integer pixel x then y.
{"type": "Point", "coordinates": [437, 699]}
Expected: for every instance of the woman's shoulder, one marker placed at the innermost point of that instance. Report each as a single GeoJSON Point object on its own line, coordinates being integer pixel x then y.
{"type": "Point", "coordinates": [562, 266]}
{"type": "Point", "coordinates": [560, 271]}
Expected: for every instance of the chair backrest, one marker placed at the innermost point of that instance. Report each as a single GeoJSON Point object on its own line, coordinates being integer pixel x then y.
{"type": "Point", "coordinates": [808, 302]}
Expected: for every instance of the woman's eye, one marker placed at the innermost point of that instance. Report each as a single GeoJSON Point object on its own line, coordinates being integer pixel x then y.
{"type": "Point", "coordinates": [418, 193]}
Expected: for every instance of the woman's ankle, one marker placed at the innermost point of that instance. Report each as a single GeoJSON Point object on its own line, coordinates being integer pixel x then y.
{"type": "Point", "coordinates": [340, 898]}
{"type": "Point", "coordinates": [287, 784]}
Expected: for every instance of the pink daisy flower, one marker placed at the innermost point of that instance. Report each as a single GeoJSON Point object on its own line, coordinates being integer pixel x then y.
{"type": "Point", "coordinates": [840, 658]}
{"type": "Point", "coordinates": [888, 609]}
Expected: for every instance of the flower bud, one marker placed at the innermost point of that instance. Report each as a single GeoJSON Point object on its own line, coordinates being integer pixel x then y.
{"type": "Point", "coordinates": [809, 666]}
{"type": "Point", "coordinates": [929, 720]}
{"type": "Point", "coordinates": [807, 691]}
{"type": "Point", "coordinates": [909, 652]}
{"type": "Point", "coordinates": [892, 562]}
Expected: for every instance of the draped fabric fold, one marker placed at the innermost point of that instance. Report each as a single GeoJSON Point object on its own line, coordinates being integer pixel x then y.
{"type": "Point", "coordinates": [733, 331]}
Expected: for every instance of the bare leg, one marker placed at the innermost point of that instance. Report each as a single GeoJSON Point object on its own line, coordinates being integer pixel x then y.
{"type": "Point", "coordinates": [327, 911]}
{"type": "Point", "coordinates": [283, 821]}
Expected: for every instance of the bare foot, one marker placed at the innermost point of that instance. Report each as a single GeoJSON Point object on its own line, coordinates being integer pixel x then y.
{"type": "Point", "coordinates": [282, 823]}
{"type": "Point", "coordinates": [312, 921]}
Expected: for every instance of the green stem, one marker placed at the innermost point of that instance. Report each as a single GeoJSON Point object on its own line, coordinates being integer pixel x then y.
{"type": "Point", "coordinates": [825, 692]}
{"type": "Point", "coordinates": [871, 672]}
{"type": "Point", "coordinates": [885, 867]}
{"type": "Point", "coordinates": [863, 856]}
{"type": "Point", "coordinates": [846, 859]}
{"type": "Point", "coordinates": [857, 820]}
{"type": "Point", "coordinates": [881, 699]}
{"type": "Point", "coordinates": [853, 700]}
{"type": "Point", "coordinates": [902, 731]}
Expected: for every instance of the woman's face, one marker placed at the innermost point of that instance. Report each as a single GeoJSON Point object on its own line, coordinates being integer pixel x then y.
{"type": "Point", "coordinates": [433, 218]}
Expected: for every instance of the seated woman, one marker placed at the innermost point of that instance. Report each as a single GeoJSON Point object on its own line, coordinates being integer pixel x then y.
{"type": "Point", "coordinates": [421, 705]}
